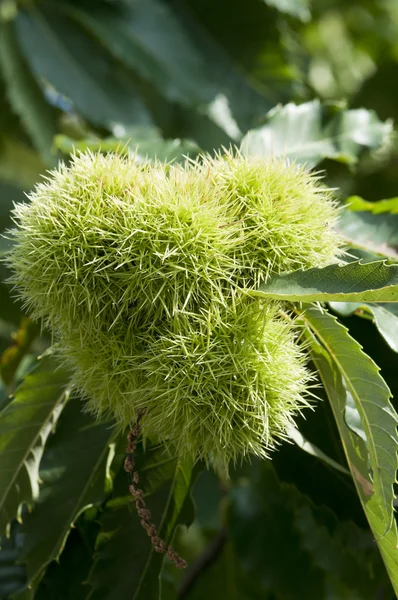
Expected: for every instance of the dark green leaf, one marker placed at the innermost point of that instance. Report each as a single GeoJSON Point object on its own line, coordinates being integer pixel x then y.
{"type": "Point", "coordinates": [78, 68]}
{"type": "Point", "coordinates": [12, 575]}
{"type": "Point", "coordinates": [126, 565]}
{"type": "Point", "coordinates": [8, 194]}
{"type": "Point", "coordinates": [267, 543]}
{"type": "Point", "coordinates": [69, 573]}
{"type": "Point", "coordinates": [24, 93]}
{"type": "Point", "coordinates": [385, 317]}
{"type": "Point", "coordinates": [25, 425]}
{"type": "Point", "coordinates": [352, 382]}
{"type": "Point", "coordinates": [287, 547]}
{"type": "Point", "coordinates": [74, 476]}
{"type": "Point", "coordinates": [172, 64]}
{"type": "Point", "coordinates": [239, 103]}
{"type": "Point", "coordinates": [222, 579]}
{"type": "Point", "coordinates": [356, 281]}
{"type": "Point", "coordinates": [307, 135]}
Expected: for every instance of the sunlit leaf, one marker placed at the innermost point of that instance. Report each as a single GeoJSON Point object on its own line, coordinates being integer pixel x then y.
{"type": "Point", "coordinates": [356, 203]}
{"type": "Point", "coordinates": [385, 317]}
{"type": "Point", "coordinates": [349, 375]}
{"type": "Point", "coordinates": [356, 281]}
{"type": "Point", "coordinates": [296, 8]}
{"type": "Point", "coordinates": [145, 143]}
{"type": "Point", "coordinates": [377, 233]}
{"type": "Point", "coordinates": [307, 134]}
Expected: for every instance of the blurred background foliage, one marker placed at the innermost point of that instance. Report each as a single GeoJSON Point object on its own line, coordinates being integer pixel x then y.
{"type": "Point", "coordinates": [168, 78]}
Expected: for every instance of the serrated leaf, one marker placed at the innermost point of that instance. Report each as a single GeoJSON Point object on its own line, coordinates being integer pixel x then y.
{"type": "Point", "coordinates": [79, 68]}
{"type": "Point", "coordinates": [296, 8]}
{"type": "Point", "coordinates": [307, 134]}
{"type": "Point", "coordinates": [172, 64]}
{"type": "Point", "coordinates": [126, 564]}
{"type": "Point", "coordinates": [73, 473]}
{"type": "Point", "coordinates": [385, 317]}
{"type": "Point", "coordinates": [356, 203]}
{"type": "Point", "coordinates": [24, 93]}
{"type": "Point", "coordinates": [346, 370]}
{"type": "Point", "coordinates": [355, 281]}
{"type": "Point", "coordinates": [25, 425]}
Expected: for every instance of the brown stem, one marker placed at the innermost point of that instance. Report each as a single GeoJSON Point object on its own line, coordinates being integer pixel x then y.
{"type": "Point", "coordinates": [143, 512]}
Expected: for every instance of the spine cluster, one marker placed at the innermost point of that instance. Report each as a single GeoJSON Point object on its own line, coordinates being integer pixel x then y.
{"type": "Point", "coordinates": [141, 272]}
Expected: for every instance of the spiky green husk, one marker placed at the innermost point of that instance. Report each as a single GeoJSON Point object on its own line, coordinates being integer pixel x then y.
{"type": "Point", "coordinates": [286, 216]}
{"type": "Point", "coordinates": [210, 383]}
{"type": "Point", "coordinates": [140, 273]}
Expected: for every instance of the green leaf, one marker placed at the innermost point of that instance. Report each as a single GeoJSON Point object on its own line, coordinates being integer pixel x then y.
{"type": "Point", "coordinates": [19, 165]}
{"type": "Point", "coordinates": [74, 476]}
{"type": "Point", "coordinates": [126, 565]}
{"type": "Point", "coordinates": [351, 572]}
{"type": "Point", "coordinates": [12, 356]}
{"type": "Point", "coordinates": [12, 575]}
{"type": "Point", "coordinates": [298, 438]}
{"type": "Point", "coordinates": [223, 578]}
{"type": "Point", "coordinates": [172, 64]}
{"type": "Point", "coordinates": [374, 233]}
{"type": "Point", "coordinates": [307, 134]}
{"type": "Point", "coordinates": [385, 318]}
{"type": "Point", "coordinates": [348, 374]}
{"type": "Point", "coordinates": [9, 195]}
{"type": "Point", "coordinates": [289, 548]}
{"type": "Point", "coordinates": [356, 203]}
{"type": "Point", "coordinates": [296, 8]}
{"type": "Point", "coordinates": [25, 425]}
{"type": "Point", "coordinates": [79, 68]}
{"type": "Point", "coordinates": [24, 93]}
{"type": "Point", "coordinates": [69, 573]}
{"type": "Point", "coordinates": [239, 102]}
{"type": "Point", "coordinates": [144, 143]}
{"type": "Point", "coordinates": [356, 281]}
